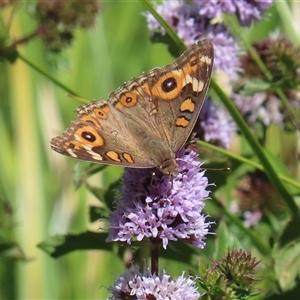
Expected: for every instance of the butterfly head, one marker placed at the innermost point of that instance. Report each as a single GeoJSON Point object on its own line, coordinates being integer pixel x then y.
{"type": "Point", "coordinates": [169, 167]}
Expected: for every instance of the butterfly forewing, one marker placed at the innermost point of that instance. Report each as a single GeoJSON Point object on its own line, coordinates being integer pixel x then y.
{"type": "Point", "coordinates": [182, 91]}
{"type": "Point", "coordinates": [147, 119]}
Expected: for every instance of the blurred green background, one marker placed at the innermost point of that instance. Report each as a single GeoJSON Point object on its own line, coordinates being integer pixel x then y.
{"type": "Point", "coordinates": [38, 198]}
{"type": "Point", "coordinates": [37, 194]}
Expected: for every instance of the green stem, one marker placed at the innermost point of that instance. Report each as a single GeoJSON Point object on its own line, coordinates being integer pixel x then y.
{"type": "Point", "coordinates": [14, 45]}
{"type": "Point", "coordinates": [288, 20]}
{"type": "Point", "coordinates": [169, 30]}
{"type": "Point", "coordinates": [247, 161]}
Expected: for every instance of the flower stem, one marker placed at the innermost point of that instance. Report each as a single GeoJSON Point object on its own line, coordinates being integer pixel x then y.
{"type": "Point", "coordinates": [23, 40]}
{"type": "Point", "coordinates": [155, 258]}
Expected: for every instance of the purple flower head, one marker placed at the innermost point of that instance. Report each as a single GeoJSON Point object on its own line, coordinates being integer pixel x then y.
{"type": "Point", "coordinates": [247, 12]}
{"type": "Point", "coordinates": [259, 107]}
{"type": "Point", "coordinates": [216, 125]}
{"type": "Point", "coordinates": [192, 27]}
{"type": "Point", "coordinates": [215, 8]}
{"type": "Point", "coordinates": [161, 208]}
{"type": "Point", "coordinates": [250, 218]}
{"type": "Point", "coordinates": [168, 10]}
{"type": "Point", "coordinates": [136, 285]}
{"type": "Point", "coordinates": [226, 50]}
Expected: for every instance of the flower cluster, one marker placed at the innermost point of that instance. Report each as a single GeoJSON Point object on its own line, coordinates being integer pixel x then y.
{"type": "Point", "coordinates": [247, 12]}
{"type": "Point", "coordinates": [232, 277]}
{"type": "Point", "coordinates": [160, 209]}
{"type": "Point", "coordinates": [259, 107]}
{"type": "Point", "coordinates": [58, 19]}
{"type": "Point", "coordinates": [136, 285]}
{"type": "Point", "coordinates": [281, 58]}
{"type": "Point", "coordinates": [201, 19]}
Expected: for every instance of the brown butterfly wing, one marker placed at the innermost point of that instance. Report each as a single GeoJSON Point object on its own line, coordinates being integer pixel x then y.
{"type": "Point", "coordinates": [145, 120]}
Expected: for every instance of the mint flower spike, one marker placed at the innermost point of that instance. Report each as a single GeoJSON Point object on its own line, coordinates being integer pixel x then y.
{"type": "Point", "coordinates": [191, 26]}
{"type": "Point", "coordinates": [153, 207]}
{"type": "Point", "coordinates": [232, 277]}
{"type": "Point", "coordinates": [136, 285]}
{"type": "Point", "coordinates": [247, 12]}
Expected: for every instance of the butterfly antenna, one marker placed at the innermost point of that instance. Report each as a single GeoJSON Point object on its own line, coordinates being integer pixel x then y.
{"type": "Point", "coordinates": [227, 169]}
{"type": "Point", "coordinates": [189, 163]}
{"type": "Point", "coordinates": [153, 174]}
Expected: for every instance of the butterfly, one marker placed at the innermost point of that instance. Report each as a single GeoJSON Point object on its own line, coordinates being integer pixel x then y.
{"type": "Point", "coordinates": [146, 120]}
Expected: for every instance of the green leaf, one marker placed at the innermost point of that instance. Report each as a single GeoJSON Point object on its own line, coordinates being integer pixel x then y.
{"type": "Point", "coordinates": [287, 266]}
{"type": "Point", "coordinates": [291, 233]}
{"type": "Point", "coordinates": [282, 171]}
{"type": "Point", "coordinates": [60, 245]}
{"type": "Point", "coordinates": [112, 193]}
{"type": "Point", "coordinates": [255, 85]}
{"type": "Point", "coordinates": [256, 240]}
{"type": "Point", "coordinates": [225, 240]}
{"type": "Point", "coordinates": [83, 170]}
{"type": "Point", "coordinates": [97, 213]}
{"type": "Point", "coordinates": [12, 250]}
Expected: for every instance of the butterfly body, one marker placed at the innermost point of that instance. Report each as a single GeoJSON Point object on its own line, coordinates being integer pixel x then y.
{"type": "Point", "coordinates": [147, 119]}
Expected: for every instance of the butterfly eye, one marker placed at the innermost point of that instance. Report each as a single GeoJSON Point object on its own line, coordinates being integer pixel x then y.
{"type": "Point", "coordinates": [102, 112]}
{"type": "Point", "coordinates": [169, 84]}
{"type": "Point", "coordinates": [127, 100]}
{"type": "Point", "coordinates": [88, 136]}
